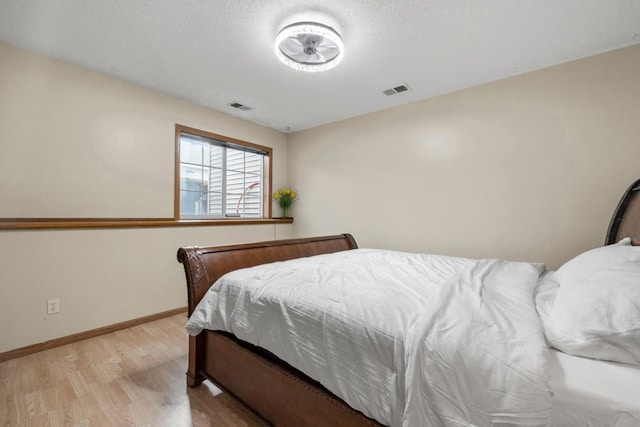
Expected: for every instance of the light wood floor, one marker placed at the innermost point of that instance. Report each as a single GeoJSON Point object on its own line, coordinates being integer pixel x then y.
{"type": "Point", "coordinates": [132, 377]}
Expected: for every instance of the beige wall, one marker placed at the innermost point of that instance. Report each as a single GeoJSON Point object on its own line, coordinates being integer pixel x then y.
{"type": "Point", "coordinates": [526, 168]}
{"type": "Point", "coordinates": [101, 277]}
{"type": "Point", "coordinates": [75, 143]}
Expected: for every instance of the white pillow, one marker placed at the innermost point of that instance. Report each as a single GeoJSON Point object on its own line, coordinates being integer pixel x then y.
{"type": "Point", "coordinates": [591, 262]}
{"type": "Point", "coordinates": [596, 313]}
{"type": "Point", "coordinates": [599, 317]}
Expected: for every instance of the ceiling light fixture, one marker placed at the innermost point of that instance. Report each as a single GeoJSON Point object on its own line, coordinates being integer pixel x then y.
{"type": "Point", "coordinates": [309, 46]}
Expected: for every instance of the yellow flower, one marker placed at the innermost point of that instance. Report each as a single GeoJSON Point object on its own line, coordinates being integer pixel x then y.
{"type": "Point", "coordinates": [285, 197]}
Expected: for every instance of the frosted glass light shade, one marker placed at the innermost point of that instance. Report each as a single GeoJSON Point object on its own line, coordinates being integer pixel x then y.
{"type": "Point", "coordinates": [309, 46]}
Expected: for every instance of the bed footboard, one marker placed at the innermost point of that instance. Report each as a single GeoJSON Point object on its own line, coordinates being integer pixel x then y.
{"type": "Point", "coordinates": [204, 265]}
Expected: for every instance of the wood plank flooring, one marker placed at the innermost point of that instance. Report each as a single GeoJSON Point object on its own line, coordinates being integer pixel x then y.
{"type": "Point", "coordinates": [132, 377]}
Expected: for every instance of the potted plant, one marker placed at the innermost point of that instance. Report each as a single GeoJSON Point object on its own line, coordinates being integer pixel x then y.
{"type": "Point", "coordinates": [285, 198]}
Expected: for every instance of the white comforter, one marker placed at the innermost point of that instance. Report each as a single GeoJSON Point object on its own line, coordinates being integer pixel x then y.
{"type": "Point", "coordinates": [408, 339]}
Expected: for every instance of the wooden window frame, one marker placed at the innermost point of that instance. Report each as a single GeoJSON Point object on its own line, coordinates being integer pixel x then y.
{"type": "Point", "coordinates": [267, 174]}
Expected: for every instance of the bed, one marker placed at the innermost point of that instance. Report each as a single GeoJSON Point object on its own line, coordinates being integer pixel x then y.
{"type": "Point", "coordinates": [285, 396]}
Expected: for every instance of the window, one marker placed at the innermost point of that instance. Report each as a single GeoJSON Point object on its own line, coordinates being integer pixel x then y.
{"type": "Point", "coordinates": [220, 177]}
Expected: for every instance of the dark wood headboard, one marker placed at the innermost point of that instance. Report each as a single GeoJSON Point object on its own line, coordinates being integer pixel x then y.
{"type": "Point", "coordinates": [626, 218]}
{"type": "Point", "coordinates": [204, 265]}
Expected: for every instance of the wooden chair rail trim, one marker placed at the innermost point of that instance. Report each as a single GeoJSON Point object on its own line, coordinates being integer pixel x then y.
{"type": "Point", "coordinates": [75, 223]}
{"type": "Point", "coordinates": [35, 348]}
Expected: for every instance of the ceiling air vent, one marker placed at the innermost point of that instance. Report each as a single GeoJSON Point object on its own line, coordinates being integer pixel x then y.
{"type": "Point", "coordinates": [394, 90]}
{"type": "Point", "coordinates": [239, 106]}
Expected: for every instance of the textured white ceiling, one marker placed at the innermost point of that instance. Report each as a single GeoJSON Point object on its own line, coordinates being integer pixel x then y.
{"type": "Point", "coordinates": [212, 52]}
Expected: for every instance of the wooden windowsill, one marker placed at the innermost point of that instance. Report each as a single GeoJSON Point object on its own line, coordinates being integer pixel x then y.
{"type": "Point", "coordinates": [75, 223]}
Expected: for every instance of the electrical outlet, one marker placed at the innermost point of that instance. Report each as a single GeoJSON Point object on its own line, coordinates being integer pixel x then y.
{"type": "Point", "coordinates": [53, 306]}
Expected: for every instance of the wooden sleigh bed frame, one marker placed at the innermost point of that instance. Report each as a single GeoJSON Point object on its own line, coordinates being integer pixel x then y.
{"type": "Point", "coordinates": [279, 393]}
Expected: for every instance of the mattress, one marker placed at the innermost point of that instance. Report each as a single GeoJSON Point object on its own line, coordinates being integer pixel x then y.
{"type": "Point", "coordinates": [383, 329]}
{"type": "Point", "coordinates": [593, 393]}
